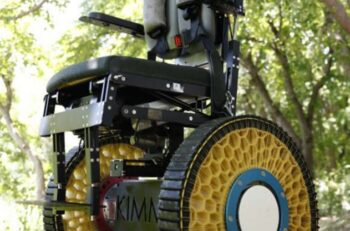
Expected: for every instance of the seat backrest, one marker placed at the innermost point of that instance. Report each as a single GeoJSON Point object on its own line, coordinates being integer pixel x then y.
{"type": "Point", "coordinates": [166, 29]}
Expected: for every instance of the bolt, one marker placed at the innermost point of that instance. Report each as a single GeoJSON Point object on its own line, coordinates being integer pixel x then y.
{"type": "Point", "coordinates": [263, 173]}
{"type": "Point", "coordinates": [240, 183]}
{"type": "Point", "coordinates": [109, 108]}
{"type": "Point", "coordinates": [134, 112]}
{"type": "Point", "coordinates": [191, 118]}
{"type": "Point", "coordinates": [111, 98]}
{"type": "Point", "coordinates": [168, 85]}
{"type": "Point", "coordinates": [282, 195]}
{"type": "Point", "coordinates": [126, 111]}
{"type": "Point", "coordinates": [230, 218]}
{"type": "Point", "coordinates": [112, 88]}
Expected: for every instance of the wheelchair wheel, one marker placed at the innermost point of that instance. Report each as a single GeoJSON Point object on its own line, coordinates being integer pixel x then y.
{"type": "Point", "coordinates": [241, 173]}
{"type": "Point", "coordinates": [76, 190]}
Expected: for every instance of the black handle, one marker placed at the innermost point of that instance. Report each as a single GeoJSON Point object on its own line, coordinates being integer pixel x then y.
{"type": "Point", "coordinates": [120, 25]}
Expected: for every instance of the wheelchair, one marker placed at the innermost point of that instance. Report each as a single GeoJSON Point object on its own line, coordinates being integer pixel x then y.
{"type": "Point", "coordinates": [161, 147]}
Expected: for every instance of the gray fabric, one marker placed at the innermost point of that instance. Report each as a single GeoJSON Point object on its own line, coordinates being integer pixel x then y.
{"type": "Point", "coordinates": [177, 25]}
{"type": "Point", "coordinates": [184, 2]}
{"type": "Point", "coordinates": [171, 12]}
{"type": "Point", "coordinates": [98, 68]}
{"type": "Point", "coordinates": [196, 55]}
{"type": "Point", "coordinates": [154, 15]}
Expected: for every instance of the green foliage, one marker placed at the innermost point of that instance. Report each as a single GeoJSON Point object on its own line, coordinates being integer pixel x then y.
{"type": "Point", "coordinates": [334, 192]}
{"type": "Point", "coordinates": [89, 41]}
{"type": "Point", "coordinates": [307, 34]}
{"type": "Point", "coordinates": [309, 37]}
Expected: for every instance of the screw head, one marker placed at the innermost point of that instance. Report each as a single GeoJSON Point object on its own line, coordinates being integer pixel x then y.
{"type": "Point", "coordinates": [283, 195]}
{"type": "Point", "coordinates": [230, 218]}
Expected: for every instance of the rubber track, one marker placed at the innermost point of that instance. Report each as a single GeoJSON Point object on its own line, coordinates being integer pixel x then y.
{"type": "Point", "coordinates": [172, 187]}
{"type": "Point", "coordinates": [53, 222]}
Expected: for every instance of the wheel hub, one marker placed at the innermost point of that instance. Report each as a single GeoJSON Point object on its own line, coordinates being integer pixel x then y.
{"type": "Point", "coordinates": [106, 216]}
{"type": "Point", "coordinates": [256, 201]}
{"type": "Point", "coordinates": [258, 204]}
{"type": "Point", "coordinates": [76, 190]}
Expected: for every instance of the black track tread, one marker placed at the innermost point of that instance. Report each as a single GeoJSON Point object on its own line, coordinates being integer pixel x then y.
{"type": "Point", "coordinates": [53, 222]}
{"type": "Point", "coordinates": [172, 187]}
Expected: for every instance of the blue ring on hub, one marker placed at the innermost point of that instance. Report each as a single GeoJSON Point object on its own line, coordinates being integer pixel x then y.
{"type": "Point", "coordinates": [246, 180]}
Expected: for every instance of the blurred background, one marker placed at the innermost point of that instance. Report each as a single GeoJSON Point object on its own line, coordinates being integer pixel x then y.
{"type": "Point", "coordinates": [295, 71]}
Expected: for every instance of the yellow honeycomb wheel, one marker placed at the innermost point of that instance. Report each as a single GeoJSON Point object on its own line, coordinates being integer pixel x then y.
{"type": "Point", "coordinates": [76, 189]}
{"type": "Point", "coordinates": [237, 174]}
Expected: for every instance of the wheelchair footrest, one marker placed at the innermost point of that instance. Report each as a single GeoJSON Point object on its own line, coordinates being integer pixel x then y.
{"type": "Point", "coordinates": [135, 168]}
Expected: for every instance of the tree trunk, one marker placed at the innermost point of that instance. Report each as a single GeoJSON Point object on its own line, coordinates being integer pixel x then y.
{"type": "Point", "coordinates": [23, 145]}
{"type": "Point", "coordinates": [307, 147]}
{"type": "Point", "coordinates": [339, 12]}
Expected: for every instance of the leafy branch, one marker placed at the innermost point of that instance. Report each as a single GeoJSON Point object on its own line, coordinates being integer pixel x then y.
{"type": "Point", "coordinates": [288, 80]}
{"type": "Point", "coordinates": [22, 14]}
{"type": "Point", "coordinates": [275, 112]}
{"type": "Point", "coordinates": [19, 140]}
{"type": "Point", "coordinates": [318, 86]}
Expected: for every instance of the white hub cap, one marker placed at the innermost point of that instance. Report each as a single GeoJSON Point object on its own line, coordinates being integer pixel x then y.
{"type": "Point", "coordinates": [258, 210]}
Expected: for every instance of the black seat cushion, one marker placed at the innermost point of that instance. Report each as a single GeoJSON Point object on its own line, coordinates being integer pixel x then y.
{"type": "Point", "coordinates": [100, 67]}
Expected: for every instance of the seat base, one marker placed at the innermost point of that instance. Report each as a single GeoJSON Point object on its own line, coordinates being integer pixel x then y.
{"type": "Point", "coordinates": [119, 66]}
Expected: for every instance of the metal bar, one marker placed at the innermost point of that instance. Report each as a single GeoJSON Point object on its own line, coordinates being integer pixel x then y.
{"type": "Point", "coordinates": [49, 107]}
{"type": "Point", "coordinates": [92, 160]}
{"type": "Point", "coordinates": [187, 119]}
{"type": "Point", "coordinates": [235, 27]}
{"type": "Point", "coordinates": [61, 206]}
{"type": "Point", "coordinates": [114, 23]}
{"type": "Point", "coordinates": [177, 102]}
{"type": "Point", "coordinates": [59, 166]}
{"type": "Point", "coordinates": [104, 91]}
{"type": "Point", "coordinates": [234, 73]}
{"type": "Point", "coordinates": [77, 118]}
{"type": "Point", "coordinates": [147, 82]}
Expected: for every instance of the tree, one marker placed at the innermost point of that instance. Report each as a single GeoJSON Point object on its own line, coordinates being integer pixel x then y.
{"type": "Point", "coordinates": [292, 57]}
{"type": "Point", "coordinates": [18, 48]}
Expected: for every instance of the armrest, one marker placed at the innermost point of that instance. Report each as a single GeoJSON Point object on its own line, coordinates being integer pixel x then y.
{"type": "Point", "coordinates": [120, 25]}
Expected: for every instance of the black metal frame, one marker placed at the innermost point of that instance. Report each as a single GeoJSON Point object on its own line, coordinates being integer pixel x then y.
{"type": "Point", "coordinates": [112, 104]}
{"type": "Point", "coordinates": [103, 111]}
